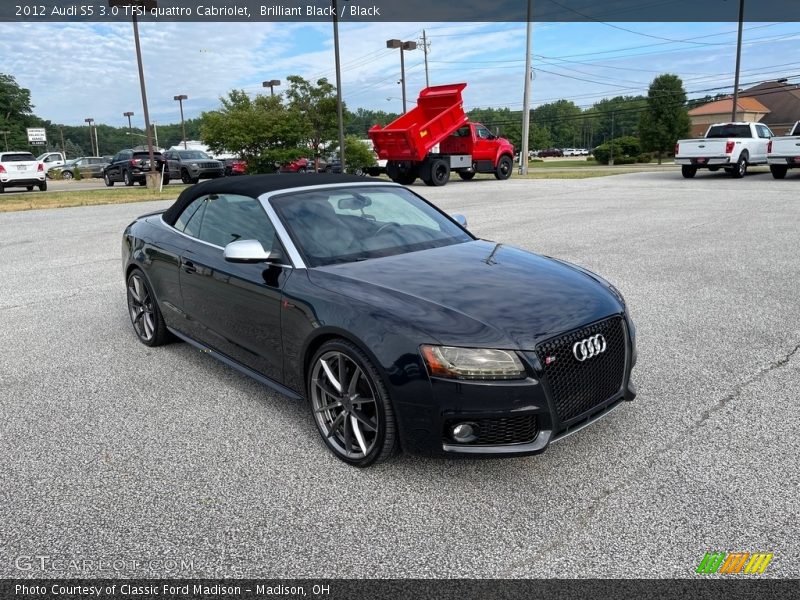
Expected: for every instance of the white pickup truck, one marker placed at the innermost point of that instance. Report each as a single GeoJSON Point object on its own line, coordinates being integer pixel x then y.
{"type": "Point", "coordinates": [729, 146]}
{"type": "Point", "coordinates": [21, 169]}
{"type": "Point", "coordinates": [783, 152]}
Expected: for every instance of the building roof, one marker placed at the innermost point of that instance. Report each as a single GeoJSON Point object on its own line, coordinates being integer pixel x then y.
{"type": "Point", "coordinates": [255, 185]}
{"type": "Point", "coordinates": [725, 107]}
{"type": "Point", "coordinates": [782, 99]}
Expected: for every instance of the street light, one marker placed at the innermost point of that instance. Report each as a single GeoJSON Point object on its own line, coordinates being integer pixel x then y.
{"type": "Point", "coordinates": [271, 84]}
{"type": "Point", "coordinates": [144, 5]}
{"type": "Point", "coordinates": [129, 114]}
{"type": "Point", "coordinates": [403, 46]}
{"type": "Point", "coordinates": [5, 133]}
{"type": "Point", "coordinates": [180, 99]}
{"type": "Point", "coordinates": [91, 138]}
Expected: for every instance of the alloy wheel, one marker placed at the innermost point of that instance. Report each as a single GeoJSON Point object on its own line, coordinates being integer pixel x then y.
{"type": "Point", "coordinates": [345, 406]}
{"type": "Point", "coordinates": [141, 308]}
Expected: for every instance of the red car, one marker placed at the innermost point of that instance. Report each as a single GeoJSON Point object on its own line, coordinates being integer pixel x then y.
{"type": "Point", "coordinates": [234, 166]}
{"type": "Point", "coordinates": [300, 165]}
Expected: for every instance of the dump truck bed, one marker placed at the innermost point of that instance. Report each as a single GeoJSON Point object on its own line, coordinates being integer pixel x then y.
{"type": "Point", "coordinates": [438, 113]}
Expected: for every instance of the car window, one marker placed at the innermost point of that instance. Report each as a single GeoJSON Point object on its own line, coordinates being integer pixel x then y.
{"type": "Point", "coordinates": [729, 131]}
{"type": "Point", "coordinates": [461, 132]}
{"type": "Point", "coordinates": [483, 133]}
{"type": "Point", "coordinates": [228, 218]}
{"type": "Point", "coordinates": [17, 157]}
{"type": "Point", "coordinates": [191, 218]}
{"type": "Point", "coordinates": [763, 132]}
{"type": "Point", "coordinates": [336, 226]}
{"type": "Point", "coordinates": [192, 154]}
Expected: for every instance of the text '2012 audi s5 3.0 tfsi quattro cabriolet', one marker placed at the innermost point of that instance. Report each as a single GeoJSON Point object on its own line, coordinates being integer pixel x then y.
{"type": "Point", "coordinates": [400, 328]}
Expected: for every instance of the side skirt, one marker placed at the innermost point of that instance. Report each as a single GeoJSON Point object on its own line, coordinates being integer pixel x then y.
{"type": "Point", "coordinates": [278, 387]}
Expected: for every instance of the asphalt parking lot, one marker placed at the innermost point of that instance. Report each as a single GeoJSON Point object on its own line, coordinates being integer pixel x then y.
{"type": "Point", "coordinates": [112, 450]}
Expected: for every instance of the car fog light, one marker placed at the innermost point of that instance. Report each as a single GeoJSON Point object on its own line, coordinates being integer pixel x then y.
{"type": "Point", "coordinates": [465, 433]}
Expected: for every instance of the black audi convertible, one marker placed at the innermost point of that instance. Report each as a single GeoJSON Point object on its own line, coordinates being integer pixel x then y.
{"type": "Point", "coordinates": [400, 328]}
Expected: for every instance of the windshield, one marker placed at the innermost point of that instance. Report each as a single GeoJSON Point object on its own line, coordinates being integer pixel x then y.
{"type": "Point", "coordinates": [18, 157]}
{"type": "Point", "coordinates": [331, 226]}
{"type": "Point", "coordinates": [729, 131]}
{"type": "Point", "coordinates": [193, 154]}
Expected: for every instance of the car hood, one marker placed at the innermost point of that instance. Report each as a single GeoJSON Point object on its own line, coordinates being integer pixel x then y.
{"type": "Point", "coordinates": [477, 293]}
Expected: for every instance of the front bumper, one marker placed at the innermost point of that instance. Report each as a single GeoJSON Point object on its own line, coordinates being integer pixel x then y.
{"type": "Point", "coordinates": [206, 173]}
{"type": "Point", "coordinates": [703, 161]}
{"type": "Point", "coordinates": [520, 416]}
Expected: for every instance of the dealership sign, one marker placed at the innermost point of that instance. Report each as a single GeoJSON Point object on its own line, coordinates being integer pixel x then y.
{"type": "Point", "coordinates": [37, 136]}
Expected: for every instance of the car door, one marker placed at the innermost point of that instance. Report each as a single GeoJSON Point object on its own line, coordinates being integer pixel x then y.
{"type": "Point", "coordinates": [233, 308]}
{"type": "Point", "coordinates": [483, 146]}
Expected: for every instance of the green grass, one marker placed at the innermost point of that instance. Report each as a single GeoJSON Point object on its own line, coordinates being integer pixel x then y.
{"type": "Point", "coordinates": [36, 199]}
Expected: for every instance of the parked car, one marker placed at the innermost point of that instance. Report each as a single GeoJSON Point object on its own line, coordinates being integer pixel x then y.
{"type": "Point", "coordinates": [783, 152]}
{"type": "Point", "coordinates": [729, 146]}
{"type": "Point", "coordinates": [331, 165]}
{"type": "Point", "coordinates": [300, 165]}
{"type": "Point", "coordinates": [234, 166]}
{"type": "Point", "coordinates": [132, 166]}
{"type": "Point", "coordinates": [87, 166]}
{"type": "Point", "coordinates": [331, 287]}
{"type": "Point", "coordinates": [21, 169]}
{"type": "Point", "coordinates": [570, 152]}
{"type": "Point", "coordinates": [51, 160]}
{"type": "Point", "coordinates": [550, 152]}
{"type": "Point", "coordinates": [190, 166]}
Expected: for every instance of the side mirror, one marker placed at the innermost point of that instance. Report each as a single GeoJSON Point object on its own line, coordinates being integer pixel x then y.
{"type": "Point", "coordinates": [460, 219]}
{"type": "Point", "coordinates": [248, 251]}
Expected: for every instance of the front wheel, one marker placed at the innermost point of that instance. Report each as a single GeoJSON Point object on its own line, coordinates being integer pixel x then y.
{"type": "Point", "coordinates": [778, 171]}
{"type": "Point", "coordinates": [350, 405]}
{"type": "Point", "coordinates": [144, 312]}
{"type": "Point", "coordinates": [504, 168]}
{"type": "Point", "coordinates": [67, 175]}
{"type": "Point", "coordinates": [688, 172]}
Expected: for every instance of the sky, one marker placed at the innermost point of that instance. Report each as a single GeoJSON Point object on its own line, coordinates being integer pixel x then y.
{"type": "Point", "coordinates": [80, 70]}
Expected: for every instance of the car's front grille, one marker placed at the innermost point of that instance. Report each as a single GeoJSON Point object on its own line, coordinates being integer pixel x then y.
{"type": "Point", "coordinates": [578, 386]}
{"type": "Point", "coordinates": [208, 165]}
{"type": "Point", "coordinates": [494, 432]}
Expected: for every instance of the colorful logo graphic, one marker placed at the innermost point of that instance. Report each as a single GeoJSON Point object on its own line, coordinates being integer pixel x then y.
{"type": "Point", "coordinates": [734, 563]}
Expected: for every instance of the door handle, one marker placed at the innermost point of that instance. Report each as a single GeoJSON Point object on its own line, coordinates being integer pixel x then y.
{"type": "Point", "coordinates": [188, 267]}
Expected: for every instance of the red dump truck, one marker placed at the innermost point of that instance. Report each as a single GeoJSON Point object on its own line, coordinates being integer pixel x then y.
{"type": "Point", "coordinates": [409, 143]}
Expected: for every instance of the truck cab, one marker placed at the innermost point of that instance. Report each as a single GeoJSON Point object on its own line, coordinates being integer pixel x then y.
{"type": "Point", "coordinates": [485, 148]}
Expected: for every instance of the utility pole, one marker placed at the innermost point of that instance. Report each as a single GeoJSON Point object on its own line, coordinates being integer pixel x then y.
{"type": "Point", "coordinates": [611, 155]}
{"type": "Point", "coordinates": [425, 49]}
{"type": "Point", "coordinates": [180, 99]}
{"type": "Point", "coordinates": [339, 111]}
{"type": "Point", "coordinates": [63, 145]}
{"type": "Point", "coordinates": [738, 62]}
{"type": "Point", "coordinates": [526, 98]}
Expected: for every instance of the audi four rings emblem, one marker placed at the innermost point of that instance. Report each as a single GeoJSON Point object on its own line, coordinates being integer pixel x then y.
{"type": "Point", "coordinates": [591, 346]}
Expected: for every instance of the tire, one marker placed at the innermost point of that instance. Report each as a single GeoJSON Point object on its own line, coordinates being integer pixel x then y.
{"type": "Point", "coordinates": [107, 180]}
{"type": "Point", "coordinates": [165, 179]}
{"type": "Point", "coordinates": [688, 172]}
{"type": "Point", "coordinates": [466, 175]}
{"type": "Point", "coordinates": [67, 175]}
{"type": "Point", "coordinates": [146, 319]}
{"type": "Point", "coordinates": [126, 178]}
{"type": "Point", "coordinates": [713, 169]}
{"type": "Point", "coordinates": [504, 167]}
{"type": "Point", "coordinates": [740, 170]}
{"type": "Point", "coordinates": [778, 171]}
{"type": "Point", "coordinates": [143, 182]}
{"type": "Point", "coordinates": [440, 172]}
{"type": "Point", "coordinates": [2, 189]}
{"type": "Point", "coordinates": [43, 186]}
{"type": "Point", "coordinates": [358, 426]}
{"type": "Point", "coordinates": [29, 188]}
{"type": "Point", "coordinates": [301, 170]}
{"type": "Point", "coordinates": [186, 178]}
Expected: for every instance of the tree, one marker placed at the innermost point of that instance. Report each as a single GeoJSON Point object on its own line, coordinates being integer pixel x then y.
{"type": "Point", "coordinates": [358, 156]}
{"type": "Point", "coordinates": [360, 122]}
{"type": "Point", "coordinates": [16, 111]}
{"type": "Point", "coordinates": [262, 130]}
{"type": "Point", "coordinates": [561, 120]}
{"type": "Point", "coordinates": [665, 119]}
{"type": "Point", "coordinates": [316, 107]}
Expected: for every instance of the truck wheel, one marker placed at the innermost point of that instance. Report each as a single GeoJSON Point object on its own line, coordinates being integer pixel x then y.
{"type": "Point", "coordinates": [440, 172]}
{"type": "Point", "coordinates": [466, 175]}
{"type": "Point", "coordinates": [504, 168]}
{"type": "Point", "coordinates": [740, 170]}
{"type": "Point", "coordinates": [688, 172]}
{"type": "Point", "coordinates": [778, 171]}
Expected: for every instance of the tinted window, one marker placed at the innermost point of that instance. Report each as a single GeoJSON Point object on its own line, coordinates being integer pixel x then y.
{"type": "Point", "coordinates": [192, 154]}
{"type": "Point", "coordinates": [18, 157]}
{"type": "Point", "coordinates": [228, 218]}
{"type": "Point", "coordinates": [187, 216]}
{"type": "Point", "coordinates": [336, 226]}
{"type": "Point", "coordinates": [729, 131]}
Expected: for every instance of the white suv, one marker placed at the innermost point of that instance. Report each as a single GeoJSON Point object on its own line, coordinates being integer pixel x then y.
{"type": "Point", "coordinates": [21, 169]}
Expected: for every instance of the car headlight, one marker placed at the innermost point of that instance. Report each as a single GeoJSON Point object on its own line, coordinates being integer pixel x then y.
{"type": "Point", "coordinates": [472, 363]}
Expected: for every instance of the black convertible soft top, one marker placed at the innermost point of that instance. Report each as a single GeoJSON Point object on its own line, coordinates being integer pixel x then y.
{"type": "Point", "coordinates": [255, 185]}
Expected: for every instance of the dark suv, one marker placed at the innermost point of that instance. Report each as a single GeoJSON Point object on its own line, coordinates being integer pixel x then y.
{"type": "Point", "coordinates": [193, 165]}
{"type": "Point", "coordinates": [129, 167]}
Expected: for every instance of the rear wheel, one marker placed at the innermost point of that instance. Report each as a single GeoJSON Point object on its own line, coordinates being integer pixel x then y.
{"type": "Point", "coordinates": [66, 175]}
{"type": "Point", "coordinates": [144, 312]}
{"type": "Point", "coordinates": [2, 188]}
{"type": "Point", "coordinates": [440, 172]}
{"type": "Point", "coordinates": [688, 172]}
{"type": "Point", "coordinates": [504, 167]}
{"type": "Point", "coordinates": [126, 178]}
{"type": "Point", "coordinates": [740, 170]}
{"type": "Point", "coordinates": [350, 405]}
{"type": "Point", "coordinates": [43, 186]}
{"type": "Point", "coordinates": [466, 175]}
{"type": "Point", "coordinates": [778, 171]}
